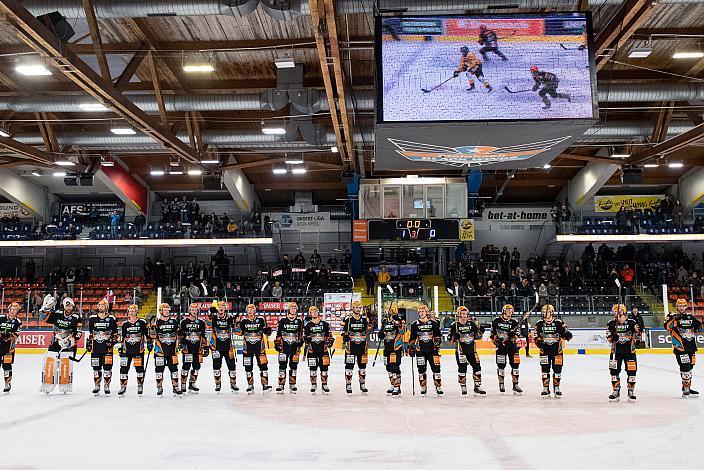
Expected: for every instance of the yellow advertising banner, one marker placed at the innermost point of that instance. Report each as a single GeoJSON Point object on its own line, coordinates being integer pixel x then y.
{"type": "Point", "coordinates": [628, 202]}
{"type": "Point", "coordinates": [467, 230]}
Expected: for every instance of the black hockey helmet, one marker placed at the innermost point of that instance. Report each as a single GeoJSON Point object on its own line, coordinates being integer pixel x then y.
{"type": "Point", "coordinates": [464, 50]}
{"type": "Point", "coordinates": [482, 28]}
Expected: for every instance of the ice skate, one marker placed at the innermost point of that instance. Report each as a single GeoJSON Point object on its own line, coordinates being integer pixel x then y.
{"type": "Point", "coordinates": [423, 390]}
{"type": "Point", "coordinates": [292, 389]}
{"type": "Point", "coordinates": [396, 392]}
{"type": "Point", "coordinates": [122, 391]}
{"type": "Point", "coordinates": [439, 391]}
{"type": "Point", "coordinates": [250, 390]}
{"type": "Point", "coordinates": [390, 390]}
{"type": "Point", "coordinates": [614, 397]}
{"type": "Point", "coordinates": [363, 389]}
{"type": "Point", "coordinates": [545, 393]}
{"type": "Point", "coordinates": [326, 390]}
{"type": "Point", "coordinates": [234, 388]}
{"type": "Point", "coordinates": [7, 388]}
{"type": "Point", "coordinates": [140, 389]}
{"type": "Point", "coordinates": [693, 393]}
{"type": "Point", "coordinates": [193, 389]}
{"type": "Point", "coordinates": [464, 389]}
{"type": "Point", "coordinates": [348, 389]}
{"type": "Point", "coordinates": [96, 389]}
{"type": "Point", "coordinates": [266, 389]}
{"type": "Point", "coordinates": [159, 391]}
{"type": "Point", "coordinates": [517, 390]}
{"type": "Point", "coordinates": [218, 387]}
{"type": "Point", "coordinates": [313, 389]}
{"type": "Point", "coordinates": [502, 388]}
{"type": "Point", "coordinates": [177, 392]}
{"type": "Point", "coordinates": [686, 393]}
{"type": "Point", "coordinates": [106, 389]}
{"type": "Point", "coordinates": [557, 392]}
{"type": "Point", "coordinates": [478, 391]}
{"type": "Point", "coordinates": [632, 396]}
{"type": "Point", "coordinates": [280, 390]}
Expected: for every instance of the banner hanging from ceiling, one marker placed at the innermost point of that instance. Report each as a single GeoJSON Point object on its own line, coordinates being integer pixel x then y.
{"type": "Point", "coordinates": [627, 202]}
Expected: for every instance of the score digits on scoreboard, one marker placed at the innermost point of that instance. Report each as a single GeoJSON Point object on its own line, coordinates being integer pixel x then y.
{"type": "Point", "coordinates": [415, 229]}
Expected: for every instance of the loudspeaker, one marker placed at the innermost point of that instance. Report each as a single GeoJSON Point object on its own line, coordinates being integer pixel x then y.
{"type": "Point", "coordinates": [212, 182]}
{"type": "Point", "coordinates": [86, 179]}
{"type": "Point", "coordinates": [71, 181]}
{"type": "Point", "coordinates": [632, 176]}
{"type": "Point", "coordinates": [56, 22]}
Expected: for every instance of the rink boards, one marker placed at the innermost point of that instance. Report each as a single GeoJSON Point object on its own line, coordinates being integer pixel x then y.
{"type": "Point", "coordinates": [585, 341]}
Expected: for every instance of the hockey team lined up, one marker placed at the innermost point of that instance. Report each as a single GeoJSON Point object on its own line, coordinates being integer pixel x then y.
{"type": "Point", "coordinates": [312, 339]}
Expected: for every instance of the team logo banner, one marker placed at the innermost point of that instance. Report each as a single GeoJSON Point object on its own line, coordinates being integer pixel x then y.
{"type": "Point", "coordinates": [629, 203]}
{"type": "Point", "coordinates": [10, 210]}
{"type": "Point", "coordinates": [467, 230]}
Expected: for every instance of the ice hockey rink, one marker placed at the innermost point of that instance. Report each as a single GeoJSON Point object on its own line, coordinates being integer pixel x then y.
{"type": "Point", "coordinates": [583, 430]}
{"type": "Point", "coordinates": [452, 101]}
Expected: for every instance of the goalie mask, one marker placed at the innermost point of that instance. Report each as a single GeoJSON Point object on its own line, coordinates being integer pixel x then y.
{"type": "Point", "coordinates": [68, 302]}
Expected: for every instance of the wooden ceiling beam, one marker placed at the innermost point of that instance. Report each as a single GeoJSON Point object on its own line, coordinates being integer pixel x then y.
{"type": "Point", "coordinates": [131, 67]}
{"type": "Point", "coordinates": [631, 15]}
{"type": "Point", "coordinates": [316, 7]}
{"type": "Point", "coordinates": [589, 158]}
{"type": "Point", "coordinates": [47, 44]}
{"type": "Point", "coordinates": [157, 89]}
{"type": "Point", "coordinates": [96, 39]}
{"type": "Point", "coordinates": [668, 146]}
{"type": "Point", "coordinates": [662, 122]}
{"type": "Point", "coordinates": [26, 151]}
{"type": "Point", "coordinates": [339, 79]}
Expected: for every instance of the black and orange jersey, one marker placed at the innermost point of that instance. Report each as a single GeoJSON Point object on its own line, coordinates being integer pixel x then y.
{"type": "Point", "coordinates": [253, 331]}
{"type": "Point", "coordinates": [549, 336]}
{"type": "Point", "coordinates": [9, 331]}
{"type": "Point", "coordinates": [133, 336]}
{"type": "Point", "coordinates": [102, 334]}
{"type": "Point", "coordinates": [623, 336]}
{"type": "Point", "coordinates": [391, 333]}
{"type": "Point", "coordinates": [465, 335]}
{"type": "Point", "coordinates": [504, 331]}
{"type": "Point", "coordinates": [469, 62]}
{"type": "Point", "coordinates": [164, 333]}
{"type": "Point", "coordinates": [683, 329]}
{"type": "Point", "coordinates": [317, 336]}
{"type": "Point", "coordinates": [222, 328]}
{"type": "Point", "coordinates": [290, 333]}
{"type": "Point", "coordinates": [65, 325]}
{"type": "Point", "coordinates": [425, 336]}
{"type": "Point", "coordinates": [355, 332]}
{"type": "Point", "coordinates": [545, 79]}
{"type": "Point", "coordinates": [192, 333]}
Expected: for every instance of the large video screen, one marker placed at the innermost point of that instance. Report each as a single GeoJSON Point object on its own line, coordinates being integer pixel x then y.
{"type": "Point", "coordinates": [479, 68]}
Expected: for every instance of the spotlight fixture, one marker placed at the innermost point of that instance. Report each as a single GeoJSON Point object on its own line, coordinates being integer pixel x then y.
{"type": "Point", "coordinates": [651, 165]}
{"type": "Point", "coordinates": [616, 152]}
{"type": "Point", "coordinates": [209, 161]}
{"type": "Point", "coordinates": [174, 162]}
{"type": "Point", "coordinates": [195, 172]}
{"type": "Point", "coordinates": [293, 160]}
{"type": "Point", "coordinates": [60, 174]}
{"type": "Point", "coordinates": [37, 173]}
{"type": "Point", "coordinates": [107, 160]}
{"type": "Point", "coordinates": [546, 166]}
{"type": "Point", "coordinates": [640, 52]}
{"type": "Point", "coordinates": [123, 131]}
{"type": "Point", "coordinates": [333, 149]}
{"type": "Point", "coordinates": [175, 170]}
{"type": "Point", "coordinates": [196, 64]}
{"type": "Point", "coordinates": [688, 55]}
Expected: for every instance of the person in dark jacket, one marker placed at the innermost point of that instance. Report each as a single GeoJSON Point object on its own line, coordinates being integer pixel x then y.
{"type": "Point", "coordinates": [140, 221]}
{"type": "Point", "coordinates": [525, 332]}
{"type": "Point", "coordinates": [638, 318]}
{"type": "Point", "coordinates": [370, 280]}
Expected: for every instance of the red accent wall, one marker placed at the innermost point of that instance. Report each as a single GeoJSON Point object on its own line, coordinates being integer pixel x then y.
{"type": "Point", "coordinates": [129, 186]}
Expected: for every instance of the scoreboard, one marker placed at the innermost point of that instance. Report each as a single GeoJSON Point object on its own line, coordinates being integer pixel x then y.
{"type": "Point", "coordinates": [414, 229]}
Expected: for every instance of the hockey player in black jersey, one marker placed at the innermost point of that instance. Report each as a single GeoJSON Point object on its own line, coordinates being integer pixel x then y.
{"type": "Point", "coordinates": [392, 331]}
{"type": "Point", "coordinates": [355, 334]}
{"type": "Point", "coordinates": [134, 334]}
{"type": "Point", "coordinates": [489, 42]}
{"type": "Point", "coordinates": [288, 343]}
{"type": "Point", "coordinates": [102, 337]}
{"type": "Point", "coordinates": [622, 332]}
{"type": "Point", "coordinates": [254, 330]}
{"type": "Point", "coordinates": [164, 333]}
{"type": "Point", "coordinates": [683, 328]}
{"type": "Point", "coordinates": [547, 82]}
{"type": "Point", "coordinates": [194, 347]}
{"type": "Point", "coordinates": [223, 325]}
{"type": "Point", "coordinates": [424, 344]}
{"type": "Point", "coordinates": [549, 335]}
{"type": "Point", "coordinates": [58, 368]}
{"type": "Point", "coordinates": [319, 340]}
{"type": "Point", "coordinates": [503, 334]}
{"type": "Point", "coordinates": [10, 327]}
{"type": "Point", "coordinates": [464, 334]}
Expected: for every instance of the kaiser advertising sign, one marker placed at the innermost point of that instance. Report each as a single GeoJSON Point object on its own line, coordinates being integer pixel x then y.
{"type": "Point", "coordinates": [29, 339]}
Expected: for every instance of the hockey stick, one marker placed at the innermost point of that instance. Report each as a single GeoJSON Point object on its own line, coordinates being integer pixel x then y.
{"type": "Point", "coordinates": [578, 48]}
{"type": "Point", "coordinates": [517, 91]}
{"type": "Point", "coordinates": [428, 90]}
{"type": "Point", "coordinates": [413, 375]}
{"type": "Point", "coordinates": [73, 358]}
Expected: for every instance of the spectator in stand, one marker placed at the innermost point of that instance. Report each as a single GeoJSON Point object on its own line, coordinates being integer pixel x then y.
{"type": "Point", "coordinates": [140, 221]}
{"type": "Point", "coordinates": [370, 280]}
{"type": "Point", "coordinates": [566, 216]}
{"type": "Point", "coordinates": [193, 210]}
{"type": "Point", "coordinates": [183, 209]}
{"type": "Point", "coordinates": [232, 229]}
{"type": "Point", "coordinates": [165, 211]}
{"type": "Point", "coordinates": [315, 259]}
{"type": "Point", "coordinates": [71, 282]}
{"type": "Point", "coordinates": [268, 226]}
{"type": "Point", "coordinates": [543, 293]}
{"type": "Point", "coordinates": [323, 276]}
{"type": "Point", "coordinates": [239, 300]}
{"type": "Point", "coordinates": [30, 269]}
{"type": "Point", "coordinates": [333, 261]}
{"type": "Point", "coordinates": [193, 292]}
{"type": "Point", "coordinates": [114, 222]}
{"type": "Point", "coordinates": [526, 290]}
{"type": "Point", "coordinates": [678, 212]}
{"type": "Point", "coordinates": [556, 216]}
{"type": "Point", "coordinates": [666, 207]}
{"type": "Point", "coordinates": [682, 276]}
{"type": "Point", "coordinates": [457, 293]}
{"type": "Point", "coordinates": [94, 216]}
{"type": "Point", "coordinates": [299, 260]}
{"type": "Point", "coordinates": [552, 289]}
{"type": "Point", "coordinates": [384, 277]}
{"type": "Point", "coordinates": [277, 292]}
{"type": "Point", "coordinates": [515, 258]}
{"type": "Point", "coordinates": [347, 258]}
{"type": "Point", "coordinates": [505, 263]}
{"type": "Point", "coordinates": [39, 232]}
{"type": "Point", "coordinates": [201, 272]}
{"type": "Point", "coordinates": [635, 315]}
{"type": "Point", "coordinates": [621, 220]}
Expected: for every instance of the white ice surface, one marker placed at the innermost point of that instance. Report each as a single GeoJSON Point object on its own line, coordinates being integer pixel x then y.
{"type": "Point", "coordinates": [410, 66]}
{"type": "Point", "coordinates": [209, 430]}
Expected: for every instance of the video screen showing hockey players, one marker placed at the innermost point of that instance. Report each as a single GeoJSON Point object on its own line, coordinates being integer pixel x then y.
{"type": "Point", "coordinates": [448, 68]}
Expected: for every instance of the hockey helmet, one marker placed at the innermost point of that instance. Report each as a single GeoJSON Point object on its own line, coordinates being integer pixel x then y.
{"type": "Point", "coordinates": [356, 303]}
{"type": "Point", "coordinates": [394, 309]}
{"type": "Point", "coordinates": [464, 50]}
{"type": "Point", "coordinates": [14, 305]}
{"type": "Point", "coordinates": [482, 27]}
{"type": "Point", "coordinates": [461, 308]}
{"type": "Point", "coordinates": [534, 68]}
{"type": "Point", "coordinates": [292, 304]}
{"type": "Point", "coordinates": [68, 301]}
{"type": "Point", "coordinates": [619, 308]}
{"type": "Point", "coordinates": [506, 308]}
{"type": "Point", "coordinates": [681, 303]}
{"type": "Point", "coordinates": [252, 306]}
{"type": "Point", "coordinates": [103, 302]}
{"type": "Point", "coordinates": [548, 308]}
{"type": "Point", "coordinates": [193, 305]}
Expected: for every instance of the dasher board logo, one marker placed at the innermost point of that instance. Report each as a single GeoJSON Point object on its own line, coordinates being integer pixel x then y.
{"type": "Point", "coordinates": [472, 155]}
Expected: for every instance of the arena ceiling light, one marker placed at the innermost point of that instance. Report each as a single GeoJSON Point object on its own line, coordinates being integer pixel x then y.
{"type": "Point", "coordinates": [176, 170]}
{"type": "Point", "coordinates": [279, 170]}
{"type": "Point", "coordinates": [93, 107]}
{"type": "Point", "coordinates": [157, 172]}
{"type": "Point", "coordinates": [293, 160]}
{"type": "Point", "coordinates": [197, 64]}
{"type": "Point", "coordinates": [299, 170]}
{"type": "Point", "coordinates": [651, 165]}
{"type": "Point", "coordinates": [32, 68]}
{"type": "Point", "coordinates": [675, 165]}
{"type": "Point", "coordinates": [210, 161]}
{"type": "Point", "coordinates": [273, 128]}
{"type": "Point", "coordinates": [285, 63]}
{"type": "Point", "coordinates": [547, 166]}
{"type": "Point", "coordinates": [4, 133]}
{"type": "Point", "coordinates": [60, 174]}
{"type": "Point", "coordinates": [123, 131]}
{"type": "Point", "coordinates": [640, 52]}
{"type": "Point", "coordinates": [37, 173]}
{"type": "Point", "coordinates": [107, 160]}
{"type": "Point", "coordinates": [195, 172]}
{"type": "Point", "coordinates": [333, 149]}
{"type": "Point", "coordinates": [64, 162]}
{"type": "Point", "coordinates": [688, 55]}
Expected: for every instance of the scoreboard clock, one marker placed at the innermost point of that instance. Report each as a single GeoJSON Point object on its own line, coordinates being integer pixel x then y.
{"type": "Point", "coordinates": [414, 229]}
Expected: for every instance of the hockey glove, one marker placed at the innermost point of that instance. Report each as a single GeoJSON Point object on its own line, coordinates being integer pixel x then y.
{"type": "Point", "coordinates": [205, 352]}
{"type": "Point", "coordinates": [150, 346]}
{"type": "Point", "coordinates": [568, 335]}
{"type": "Point", "coordinates": [456, 74]}
{"type": "Point", "coordinates": [49, 302]}
{"type": "Point", "coordinates": [278, 345]}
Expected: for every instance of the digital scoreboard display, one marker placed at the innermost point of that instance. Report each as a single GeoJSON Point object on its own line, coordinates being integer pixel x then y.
{"type": "Point", "coordinates": [414, 229]}
{"type": "Point", "coordinates": [485, 67]}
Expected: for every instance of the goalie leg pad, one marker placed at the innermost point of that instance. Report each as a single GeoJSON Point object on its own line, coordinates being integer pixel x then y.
{"type": "Point", "coordinates": [65, 372]}
{"type": "Point", "coordinates": [50, 373]}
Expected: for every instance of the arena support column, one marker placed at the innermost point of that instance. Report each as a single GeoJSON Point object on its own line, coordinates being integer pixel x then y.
{"type": "Point", "coordinates": [240, 189]}
{"type": "Point", "coordinates": [585, 184]}
{"type": "Point", "coordinates": [691, 188]}
{"type": "Point", "coordinates": [30, 197]}
{"type": "Point", "coordinates": [353, 201]}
